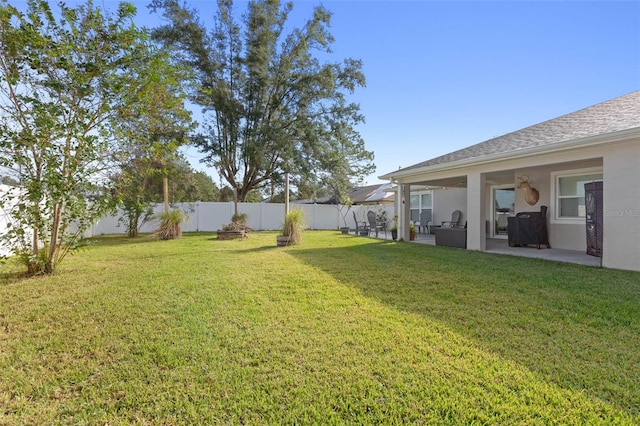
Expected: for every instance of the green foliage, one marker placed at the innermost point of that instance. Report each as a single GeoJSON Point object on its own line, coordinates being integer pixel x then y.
{"type": "Point", "coordinates": [394, 225]}
{"type": "Point", "coordinates": [275, 106]}
{"type": "Point", "coordinates": [66, 78]}
{"type": "Point", "coordinates": [239, 218]}
{"type": "Point", "coordinates": [34, 264]}
{"type": "Point", "coordinates": [170, 222]}
{"type": "Point", "coordinates": [152, 130]}
{"type": "Point", "coordinates": [8, 180]}
{"type": "Point", "coordinates": [294, 224]}
{"type": "Point", "coordinates": [413, 231]}
{"type": "Point", "coordinates": [200, 188]}
{"type": "Point", "coordinates": [352, 331]}
{"type": "Point", "coordinates": [310, 190]}
{"type": "Point", "coordinates": [139, 186]}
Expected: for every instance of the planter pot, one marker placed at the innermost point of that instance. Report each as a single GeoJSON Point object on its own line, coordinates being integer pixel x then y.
{"type": "Point", "coordinates": [394, 234]}
{"type": "Point", "coordinates": [364, 233]}
{"type": "Point", "coordinates": [283, 241]}
{"type": "Point", "coordinates": [231, 235]}
{"type": "Point", "coordinates": [412, 236]}
{"type": "Point", "coordinates": [344, 230]}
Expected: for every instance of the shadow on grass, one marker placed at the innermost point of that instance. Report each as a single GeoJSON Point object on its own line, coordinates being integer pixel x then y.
{"type": "Point", "coordinates": [573, 325]}
{"type": "Point", "coordinates": [116, 240]}
{"type": "Point", "coordinates": [12, 277]}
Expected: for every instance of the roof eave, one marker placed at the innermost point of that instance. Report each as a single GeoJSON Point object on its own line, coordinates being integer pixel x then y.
{"type": "Point", "coordinates": [571, 144]}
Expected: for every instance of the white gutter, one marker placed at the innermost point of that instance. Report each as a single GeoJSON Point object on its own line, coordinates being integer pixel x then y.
{"type": "Point", "coordinates": [571, 144]}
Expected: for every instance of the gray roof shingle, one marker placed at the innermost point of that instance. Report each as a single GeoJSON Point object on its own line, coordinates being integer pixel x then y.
{"type": "Point", "coordinates": [615, 115]}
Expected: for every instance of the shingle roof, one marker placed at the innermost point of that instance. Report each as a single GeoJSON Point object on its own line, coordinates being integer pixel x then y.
{"type": "Point", "coordinates": [371, 194]}
{"type": "Point", "coordinates": [361, 195]}
{"type": "Point", "coordinates": [615, 115]}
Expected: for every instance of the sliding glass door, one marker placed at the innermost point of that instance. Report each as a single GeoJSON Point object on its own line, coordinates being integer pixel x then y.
{"type": "Point", "coordinates": [504, 202]}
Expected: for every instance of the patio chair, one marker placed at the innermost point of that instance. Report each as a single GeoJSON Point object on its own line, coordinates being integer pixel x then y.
{"type": "Point", "coordinates": [425, 218]}
{"type": "Point", "coordinates": [361, 227]}
{"type": "Point", "coordinates": [455, 220]}
{"type": "Point", "coordinates": [374, 225]}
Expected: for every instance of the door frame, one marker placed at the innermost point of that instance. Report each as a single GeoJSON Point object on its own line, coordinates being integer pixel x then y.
{"type": "Point", "coordinates": [492, 222]}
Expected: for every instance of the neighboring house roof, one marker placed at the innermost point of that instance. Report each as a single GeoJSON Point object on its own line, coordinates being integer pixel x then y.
{"type": "Point", "coordinates": [608, 117]}
{"type": "Point", "coordinates": [372, 194]}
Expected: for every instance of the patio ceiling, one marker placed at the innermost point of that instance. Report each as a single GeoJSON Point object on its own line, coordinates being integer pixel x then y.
{"type": "Point", "coordinates": [493, 178]}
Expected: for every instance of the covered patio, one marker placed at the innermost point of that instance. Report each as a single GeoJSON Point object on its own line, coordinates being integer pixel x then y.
{"type": "Point", "coordinates": [501, 246]}
{"type": "Point", "coordinates": [542, 173]}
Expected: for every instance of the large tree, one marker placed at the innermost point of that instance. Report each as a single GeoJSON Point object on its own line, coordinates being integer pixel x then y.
{"type": "Point", "coordinates": [273, 106]}
{"type": "Point", "coordinates": [65, 77]}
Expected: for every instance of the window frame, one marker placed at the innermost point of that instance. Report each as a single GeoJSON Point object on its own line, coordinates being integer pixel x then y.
{"type": "Point", "coordinates": [556, 197]}
{"type": "Point", "coordinates": [420, 207]}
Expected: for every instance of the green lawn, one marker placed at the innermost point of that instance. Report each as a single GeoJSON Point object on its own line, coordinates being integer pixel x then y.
{"type": "Point", "coordinates": [340, 329]}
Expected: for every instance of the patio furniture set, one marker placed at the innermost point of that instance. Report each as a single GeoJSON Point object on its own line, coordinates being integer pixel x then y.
{"type": "Point", "coordinates": [524, 229]}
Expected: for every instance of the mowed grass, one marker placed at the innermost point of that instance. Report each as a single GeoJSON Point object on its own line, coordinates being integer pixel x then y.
{"type": "Point", "coordinates": [338, 330]}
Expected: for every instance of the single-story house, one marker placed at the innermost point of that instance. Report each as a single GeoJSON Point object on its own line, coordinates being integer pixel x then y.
{"type": "Point", "coordinates": [546, 164]}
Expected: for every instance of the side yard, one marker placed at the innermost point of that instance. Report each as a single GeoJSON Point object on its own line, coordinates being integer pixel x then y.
{"type": "Point", "coordinates": [338, 330]}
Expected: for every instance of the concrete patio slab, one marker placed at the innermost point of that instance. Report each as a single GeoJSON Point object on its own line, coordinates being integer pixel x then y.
{"type": "Point", "coordinates": [501, 246]}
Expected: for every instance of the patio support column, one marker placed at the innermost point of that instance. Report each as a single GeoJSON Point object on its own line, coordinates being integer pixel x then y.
{"type": "Point", "coordinates": [476, 211]}
{"type": "Point", "coordinates": [621, 208]}
{"type": "Point", "coordinates": [404, 212]}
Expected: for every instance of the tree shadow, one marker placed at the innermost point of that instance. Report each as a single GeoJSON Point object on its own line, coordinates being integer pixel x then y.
{"type": "Point", "coordinates": [119, 240]}
{"type": "Point", "coordinates": [576, 326]}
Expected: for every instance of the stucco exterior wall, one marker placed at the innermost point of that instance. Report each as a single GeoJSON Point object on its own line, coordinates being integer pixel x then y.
{"type": "Point", "coordinates": [621, 193]}
{"type": "Point", "coordinates": [565, 236]}
{"type": "Point", "coordinates": [620, 164]}
{"type": "Point", "coordinates": [445, 201]}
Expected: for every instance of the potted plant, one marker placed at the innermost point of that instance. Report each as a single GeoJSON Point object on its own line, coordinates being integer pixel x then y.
{"type": "Point", "coordinates": [170, 222]}
{"type": "Point", "coordinates": [292, 228]}
{"type": "Point", "coordinates": [413, 231]}
{"type": "Point", "coordinates": [346, 203]}
{"type": "Point", "coordinates": [237, 228]}
{"type": "Point", "coordinates": [394, 228]}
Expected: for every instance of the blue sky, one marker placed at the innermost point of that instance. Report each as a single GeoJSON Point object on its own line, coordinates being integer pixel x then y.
{"type": "Point", "coordinates": [445, 75]}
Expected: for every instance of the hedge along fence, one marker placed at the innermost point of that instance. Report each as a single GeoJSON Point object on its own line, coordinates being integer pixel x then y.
{"type": "Point", "coordinates": [210, 217]}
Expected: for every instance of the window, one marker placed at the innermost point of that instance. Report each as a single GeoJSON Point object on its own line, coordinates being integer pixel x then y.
{"type": "Point", "coordinates": [419, 202]}
{"type": "Point", "coordinates": [568, 194]}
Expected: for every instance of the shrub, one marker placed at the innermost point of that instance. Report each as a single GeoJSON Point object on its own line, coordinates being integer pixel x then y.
{"type": "Point", "coordinates": [238, 223]}
{"type": "Point", "coordinates": [239, 218]}
{"type": "Point", "coordinates": [293, 226]}
{"type": "Point", "coordinates": [170, 222]}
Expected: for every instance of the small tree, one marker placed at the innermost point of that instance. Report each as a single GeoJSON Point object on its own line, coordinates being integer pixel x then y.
{"type": "Point", "coordinates": [65, 78]}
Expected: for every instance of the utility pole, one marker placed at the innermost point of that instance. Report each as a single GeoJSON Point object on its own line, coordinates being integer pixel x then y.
{"type": "Point", "coordinates": [286, 194]}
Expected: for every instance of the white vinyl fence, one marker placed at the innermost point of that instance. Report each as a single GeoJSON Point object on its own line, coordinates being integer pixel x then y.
{"type": "Point", "coordinates": [8, 201]}
{"type": "Point", "coordinates": [209, 217]}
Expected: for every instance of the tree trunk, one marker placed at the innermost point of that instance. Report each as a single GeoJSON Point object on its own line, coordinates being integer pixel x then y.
{"type": "Point", "coordinates": [165, 190]}
{"type": "Point", "coordinates": [53, 243]}
{"type": "Point", "coordinates": [235, 201]}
